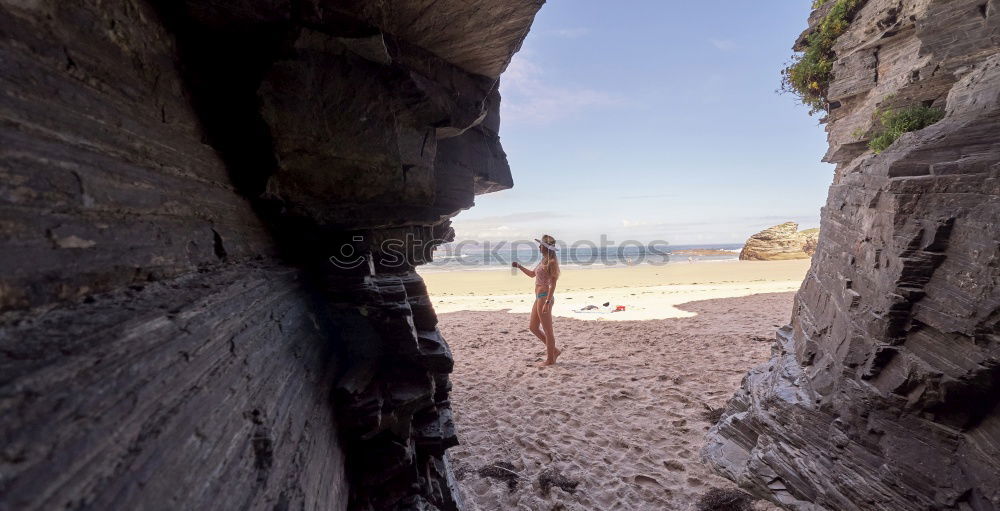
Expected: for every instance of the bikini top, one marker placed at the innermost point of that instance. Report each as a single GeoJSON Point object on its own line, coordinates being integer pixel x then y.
{"type": "Point", "coordinates": [542, 277]}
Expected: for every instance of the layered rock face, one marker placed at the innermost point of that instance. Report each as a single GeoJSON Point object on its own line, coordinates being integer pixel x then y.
{"type": "Point", "coordinates": [783, 241]}
{"type": "Point", "coordinates": [884, 392]}
{"type": "Point", "coordinates": [175, 179]}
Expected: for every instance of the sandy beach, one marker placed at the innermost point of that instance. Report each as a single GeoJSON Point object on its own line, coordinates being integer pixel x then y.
{"type": "Point", "coordinates": [618, 423]}
{"type": "Point", "coordinates": [645, 291]}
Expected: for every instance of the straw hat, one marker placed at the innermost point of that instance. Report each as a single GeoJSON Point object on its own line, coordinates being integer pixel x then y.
{"type": "Point", "coordinates": [548, 242]}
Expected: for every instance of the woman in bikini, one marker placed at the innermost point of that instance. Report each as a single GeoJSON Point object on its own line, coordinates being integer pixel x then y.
{"type": "Point", "coordinates": [545, 275]}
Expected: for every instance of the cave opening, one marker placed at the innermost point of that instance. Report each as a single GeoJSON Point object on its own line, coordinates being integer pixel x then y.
{"type": "Point", "coordinates": [657, 313]}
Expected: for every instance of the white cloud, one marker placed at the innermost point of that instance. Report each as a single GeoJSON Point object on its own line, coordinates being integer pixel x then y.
{"type": "Point", "coordinates": [647, 196]}
{"type": "Point", "coordinates": [528, 97]}
{"type": "Point", "coordinates": [723, 44]}
{"type": "Point", "coordinates": [502, 227]}
{"type": "Point", "coordinates": [635, 223]}
{"type": "Point", "coordinates": [491, 234]}
{"type": "Point", "coordinates": [527, 216]}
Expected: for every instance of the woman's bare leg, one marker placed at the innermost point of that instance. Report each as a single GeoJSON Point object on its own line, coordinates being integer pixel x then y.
{"type": "Point", "coordinates": [534, 321]}
{"type": "Point", "coordinates": [552, 353]}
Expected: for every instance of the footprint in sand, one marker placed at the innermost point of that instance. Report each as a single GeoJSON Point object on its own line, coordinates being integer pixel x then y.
{"type": "Point", "coordinates": [674, 466]}
{"type": "Point", "coordinates": [647, 481]}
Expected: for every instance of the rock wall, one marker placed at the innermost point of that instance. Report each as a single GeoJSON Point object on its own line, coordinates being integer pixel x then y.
{"type": "Point", "coordinates": [175, 179]}
{"type": "Point", "coordinates": [783, 241]}
{"type": "Point", "coordinates": [884, 392]}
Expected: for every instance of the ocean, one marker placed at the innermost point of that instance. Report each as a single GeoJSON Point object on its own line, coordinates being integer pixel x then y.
{"type": "Point", "coordinates": [480, 256]}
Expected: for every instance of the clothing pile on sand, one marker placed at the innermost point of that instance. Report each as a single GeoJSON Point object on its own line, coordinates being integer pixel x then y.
{"type": "Point", "coordinates": [603, 309]}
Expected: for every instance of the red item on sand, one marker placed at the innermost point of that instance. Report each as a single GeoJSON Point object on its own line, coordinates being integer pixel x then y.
{"type": "Point", "coordinates": [619, 308]}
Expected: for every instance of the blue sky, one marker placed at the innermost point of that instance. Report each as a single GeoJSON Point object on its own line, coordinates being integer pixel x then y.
{"type": "Point", "coordinates": [654, 120]}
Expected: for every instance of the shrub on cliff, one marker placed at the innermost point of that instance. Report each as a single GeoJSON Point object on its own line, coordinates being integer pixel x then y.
{"type": "Point", "coordinates": [808, 75]}
{"type": "Point", "coordinates": [895, 122]}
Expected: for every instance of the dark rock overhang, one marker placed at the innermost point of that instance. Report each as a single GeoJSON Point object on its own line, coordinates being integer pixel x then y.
{"type": "Point", "coordinates": [176, 176]}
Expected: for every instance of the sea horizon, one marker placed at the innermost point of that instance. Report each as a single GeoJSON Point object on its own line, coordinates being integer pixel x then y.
{"type": "Point", "coordinates": [452, 257]}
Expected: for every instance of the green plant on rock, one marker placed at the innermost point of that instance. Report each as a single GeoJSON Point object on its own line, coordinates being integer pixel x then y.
{"type": "Point", "coordinates": [895, 122]}
{"type": "Point", "coordinates": [809, 73]}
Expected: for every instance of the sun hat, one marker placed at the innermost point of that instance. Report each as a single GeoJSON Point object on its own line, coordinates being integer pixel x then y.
{"type": "Point", "coordinates": [547, 245]}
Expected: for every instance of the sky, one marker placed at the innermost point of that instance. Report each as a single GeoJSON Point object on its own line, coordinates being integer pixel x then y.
{"type": "Point", "coordinates": [654, 120]}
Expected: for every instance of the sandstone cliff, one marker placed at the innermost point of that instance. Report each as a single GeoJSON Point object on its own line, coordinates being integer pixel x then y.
{"type": "Point", "coordinates": [173, 179]}
{"type": "Point", "coordinates": [783, 241]}
{"type": "Point", "coordinates": [884, 392]}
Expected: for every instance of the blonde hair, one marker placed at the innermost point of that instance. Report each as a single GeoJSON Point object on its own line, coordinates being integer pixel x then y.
{"type": "Point", "coordinates": [551, 261]}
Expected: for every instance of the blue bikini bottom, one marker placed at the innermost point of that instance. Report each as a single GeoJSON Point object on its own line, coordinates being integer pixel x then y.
{"type": "Point", "coordinates": [542, 295]}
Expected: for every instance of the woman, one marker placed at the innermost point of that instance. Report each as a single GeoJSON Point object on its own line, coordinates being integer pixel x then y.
{"type": "Point", "coordinates": [545, 275]}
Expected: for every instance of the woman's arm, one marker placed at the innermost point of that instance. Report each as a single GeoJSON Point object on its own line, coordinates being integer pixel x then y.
{"type": "Point", "coordinates": [523, 269]}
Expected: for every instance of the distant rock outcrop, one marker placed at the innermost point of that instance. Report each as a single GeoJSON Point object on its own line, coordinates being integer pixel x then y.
{"type": "Point", "coordinates": [783, 241]}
